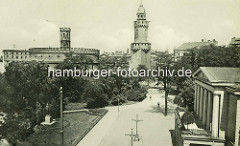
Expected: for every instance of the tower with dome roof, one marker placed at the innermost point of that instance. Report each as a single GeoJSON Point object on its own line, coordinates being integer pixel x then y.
{"type": "Point", "coordinates": [140, 48]}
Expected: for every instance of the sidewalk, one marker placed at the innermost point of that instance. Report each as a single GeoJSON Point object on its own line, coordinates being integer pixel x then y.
{"type": "Point", "coordinates": [94, 137]}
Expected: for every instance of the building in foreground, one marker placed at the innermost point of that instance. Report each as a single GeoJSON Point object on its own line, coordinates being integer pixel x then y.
{"type": "Point", "coordinates": [179, 51]}
{"type": "Point", "coordinates": [50, 55]}
{"type": "Point", "coordinates": [140, 48]}
{"type": "Point", "coordinates": [216, 109]}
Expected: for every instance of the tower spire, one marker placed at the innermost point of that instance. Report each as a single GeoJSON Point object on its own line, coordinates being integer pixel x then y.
{"type": "Point", "coordinates": [140, 48]}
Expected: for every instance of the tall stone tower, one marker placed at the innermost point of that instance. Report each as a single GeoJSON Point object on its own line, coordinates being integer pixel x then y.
{"type": "Point", "coordinates": [140, 48]}
{"type": "Point", "coordinates": [65, 42]}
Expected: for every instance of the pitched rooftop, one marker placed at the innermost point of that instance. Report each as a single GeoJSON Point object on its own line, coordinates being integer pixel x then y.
{"type": "Point", "coordinates": [219, 74]}
{"type": "Point", "coordinates": [191, 45]}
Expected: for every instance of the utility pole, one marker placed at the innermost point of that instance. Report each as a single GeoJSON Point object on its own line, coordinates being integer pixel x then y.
{"type": "Point", "coordinates": [131, 135]}
{"type": "Point", "coordinates": [137, 120]}
{"type": "Point", "coordinates": [61, 114]}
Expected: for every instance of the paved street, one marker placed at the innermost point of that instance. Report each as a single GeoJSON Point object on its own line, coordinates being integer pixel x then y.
{"type": "Point", "coordinates": [153, 130]}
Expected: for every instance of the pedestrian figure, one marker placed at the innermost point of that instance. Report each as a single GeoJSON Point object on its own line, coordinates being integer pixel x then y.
{"type": "Point", "coordinates": [158, 104]}
{"type": "Point", "coordinates": [150, 97]}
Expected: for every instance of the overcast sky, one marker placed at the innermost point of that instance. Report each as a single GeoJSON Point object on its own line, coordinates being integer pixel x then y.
{"type": "Point", "coordinates": [108, 24]}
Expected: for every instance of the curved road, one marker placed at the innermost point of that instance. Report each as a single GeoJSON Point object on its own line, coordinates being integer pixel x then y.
{"type": "Point", "coordinates": [153, 130]}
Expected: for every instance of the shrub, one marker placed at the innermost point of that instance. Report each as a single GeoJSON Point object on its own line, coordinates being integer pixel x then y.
{"type": "Point", "coordinates": [94, 96]}
{"type": "Point", "coordinates": [137, 94]}
{"type": "Point", "coordinates": [122, 99]}
{"type": "Point", "coordinates": [188, 118]}
{"type": "Point", "coordinates": [177, 100]}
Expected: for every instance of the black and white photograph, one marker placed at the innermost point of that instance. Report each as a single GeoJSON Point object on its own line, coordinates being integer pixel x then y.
{"type": "Point", "coordinates": [119, 72]}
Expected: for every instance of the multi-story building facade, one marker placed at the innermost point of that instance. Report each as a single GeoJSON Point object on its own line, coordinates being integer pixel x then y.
{"type": "Point", "coordinates": [235, 42]}
{"type": "Point", "coordinates": [216, 109]}
{"type": "Point", "coordinates": [179, 51]}
{"type": "Point", "coordinates": [140, 48]}
{"type": "Point", "coordinates": [50, 55]}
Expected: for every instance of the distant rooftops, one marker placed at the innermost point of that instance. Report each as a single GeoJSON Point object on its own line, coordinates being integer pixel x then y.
{"type": "Point", "coordinates": [57, 50]}
{"type": "Point", "coordinates": [15, 50]}
{"type": "Point", "coordinates": [191, 45]}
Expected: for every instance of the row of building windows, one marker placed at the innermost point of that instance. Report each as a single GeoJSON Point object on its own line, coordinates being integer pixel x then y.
{"type": "Point", "coordinates": [141, 44]}
{"type": "Point", "coordinates": [17, 53]}
{"type": "Point", "coordinates": [58, 56]}
{"type": "Point", "coordinates": [17, 57]}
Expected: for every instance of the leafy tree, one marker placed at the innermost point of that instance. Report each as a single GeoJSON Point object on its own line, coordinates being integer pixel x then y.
{"type": "Point", "coordinates": [6, 94]}
{"type": "Point", "coordinates": [165, 61]}
{"type": "Point", "coordinates": [94, 96]}
{"type": "Point", "coordinates": [113, 62]}
{"type": "Point", "coordinates": [73, 87]}
{"type": "Point", "coordinates": [206, 56]}
{"type": "Point", "coordinates": [79, 61]}
{"type": "Point", "coordinates": [30, 88]}
{"type": "Point", "coordinates": [186, 96]}
{"type": "Point", "coordinates": [211, 56]}
{"type": "Point", "coordinates": [188, 118]}
{"type": "Point", "coordinates": [136, 94]}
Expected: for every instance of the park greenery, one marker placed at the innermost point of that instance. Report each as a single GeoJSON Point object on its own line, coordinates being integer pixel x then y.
{"type": "Point", "coordinates": [26, 89]}
{"type": "Point", "coordinates": [188, 118]}
{"type": "Point", "coordinates": [206, 56]}
{"type": "Point", "coordinates": [166, 61]}
{"type": "Point", "coordinates": [27, 93]}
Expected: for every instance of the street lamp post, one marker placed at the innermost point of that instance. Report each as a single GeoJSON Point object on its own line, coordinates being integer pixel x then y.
{"type": "Point", "coordinates": [131, 135]}
{"type": "Point", "coordinates": [61, 114]}
{"type": "Point", "coordinates": [137, 120]}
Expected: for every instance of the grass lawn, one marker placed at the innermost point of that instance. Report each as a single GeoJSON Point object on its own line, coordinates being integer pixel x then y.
{"type": "Point", "coordinates": [76, 126]}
